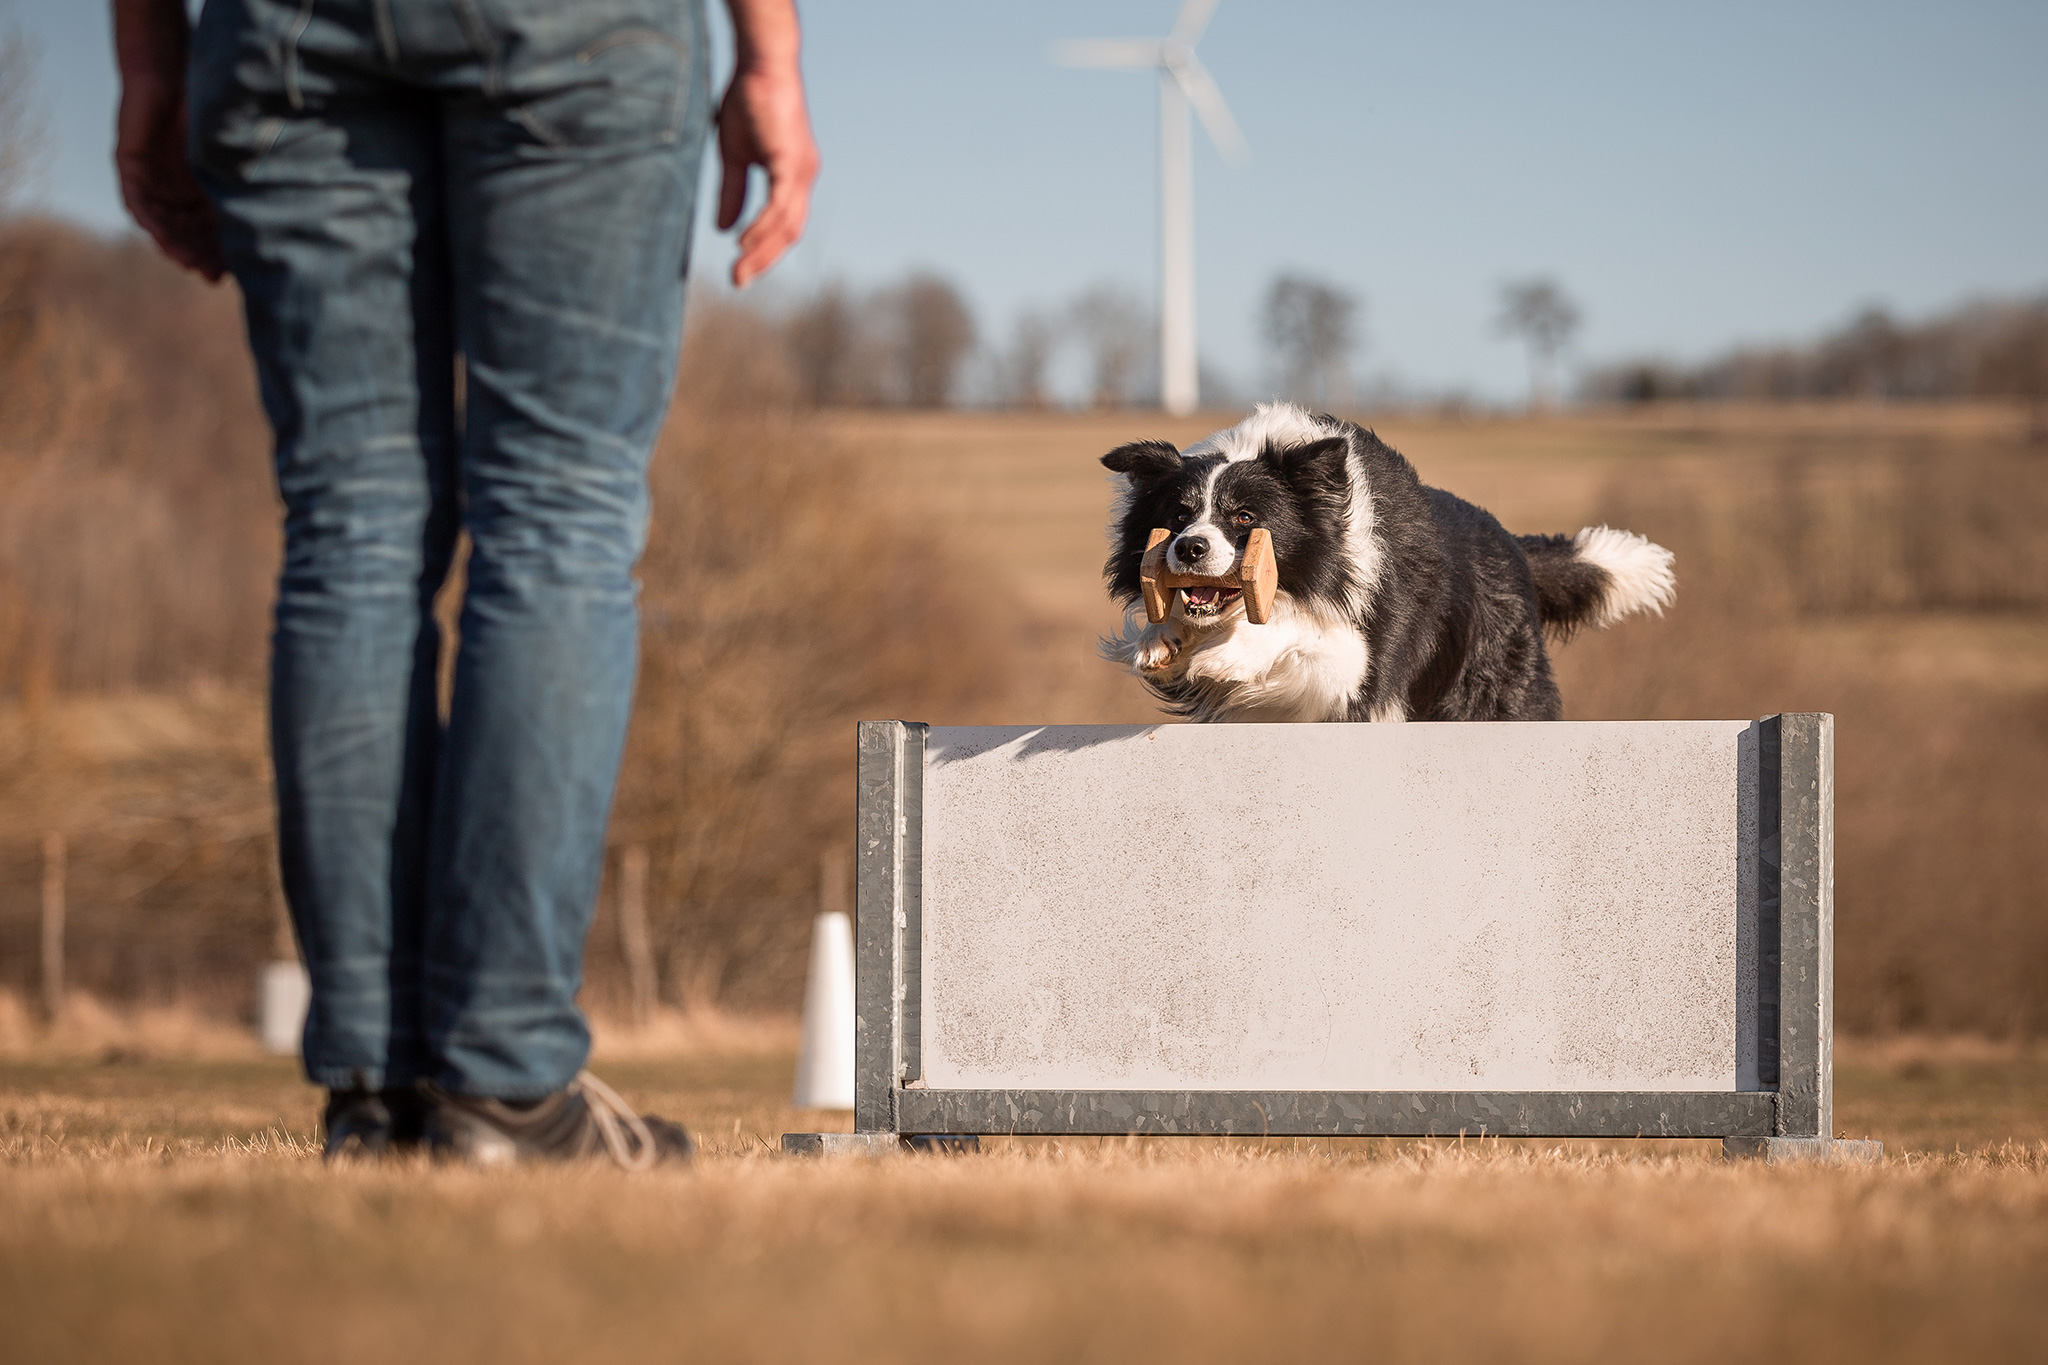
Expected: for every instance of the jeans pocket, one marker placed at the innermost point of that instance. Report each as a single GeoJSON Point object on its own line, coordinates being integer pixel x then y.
{"type": "Point", "coordinates": [627, 88]}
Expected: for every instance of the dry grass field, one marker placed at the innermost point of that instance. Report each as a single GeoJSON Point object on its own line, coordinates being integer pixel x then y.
{"type": "Point", "coordinates": [168, 1206]}
{"type": "Point", "coordinates": [158, 1194]}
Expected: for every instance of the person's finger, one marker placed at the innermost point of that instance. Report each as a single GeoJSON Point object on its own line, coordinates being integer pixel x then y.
{"type": "Point", "coordinates": [182, 224]}
{"type": "Point", "coordinates": [198, 234]}
{"type": "Point", "coordinates": [150, 217]}
{"type": "Point", "coordinates": [176, 241]}
{"type": "Point", "coordinates": [780, 223]}
{"type": "Point", "coordinates": [771, 233]}
{"type": "Point", "coordinates": [735, 155]}
{"type": "Point", "coordinates": [761, 249]}
{"type": "Point", "coordinates": [136, 198]}
{"type": "Point", "coordinates": [165, 200]}
{"type": "Point", "coordinates": [764, 243]}
{"type": "Point", "coordinates": [732, 191]}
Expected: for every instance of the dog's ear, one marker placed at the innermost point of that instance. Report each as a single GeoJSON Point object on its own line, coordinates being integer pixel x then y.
{"type": "Point", "coordinates": [1324, 463]}
{"type": "Point", "coordinates": [1144, 461]}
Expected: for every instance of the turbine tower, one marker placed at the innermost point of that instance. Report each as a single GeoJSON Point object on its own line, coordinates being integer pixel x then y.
{"type": "Point", "coordinates": [1182, 81]}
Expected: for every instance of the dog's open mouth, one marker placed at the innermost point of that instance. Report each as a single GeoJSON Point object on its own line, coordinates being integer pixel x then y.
{"type": "Point", "coordinates": [1209, 601]}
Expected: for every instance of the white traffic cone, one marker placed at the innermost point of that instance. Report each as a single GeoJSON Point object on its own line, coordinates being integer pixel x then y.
{"type": "Point", "coordinates": [824, 1068]}
{"type": "Point", "coordinates": [283, 992]}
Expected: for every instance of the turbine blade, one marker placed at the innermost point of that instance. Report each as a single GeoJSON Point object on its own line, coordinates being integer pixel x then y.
{"type": "Point", "coordinates": [1194, 19]}
{"type": "Point", "coordinates": [1200, 88]}
{"type": "Point", "coordinates": [1117, 54]}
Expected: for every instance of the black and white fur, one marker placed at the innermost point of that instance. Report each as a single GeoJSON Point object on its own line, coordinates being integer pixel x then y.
{"type": "Point", "coordinates": [1396, 601]}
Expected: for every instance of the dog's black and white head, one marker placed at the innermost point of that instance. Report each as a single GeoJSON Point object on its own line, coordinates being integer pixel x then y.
{"type": "Point", "coordinates": [1281, 469]}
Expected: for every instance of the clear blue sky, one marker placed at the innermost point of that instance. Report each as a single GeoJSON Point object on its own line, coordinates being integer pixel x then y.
{"type": "Point", "coordinates": [1695, 175]}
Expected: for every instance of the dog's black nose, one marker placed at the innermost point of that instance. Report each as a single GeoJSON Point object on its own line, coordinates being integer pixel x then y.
{"type": "Point", "coordinates": [1193, 549]}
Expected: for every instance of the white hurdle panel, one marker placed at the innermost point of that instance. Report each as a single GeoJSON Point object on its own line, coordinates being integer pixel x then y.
{"type": "Point", "coordinates": [1564, 929]}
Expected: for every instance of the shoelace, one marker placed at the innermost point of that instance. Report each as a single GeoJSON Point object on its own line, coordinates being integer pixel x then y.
{"type": "Point", "coordinates": [615, 1119]}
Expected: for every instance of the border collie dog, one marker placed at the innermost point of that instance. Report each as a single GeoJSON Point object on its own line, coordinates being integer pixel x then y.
{"type": "Point", "coordinates": [1396, 601]}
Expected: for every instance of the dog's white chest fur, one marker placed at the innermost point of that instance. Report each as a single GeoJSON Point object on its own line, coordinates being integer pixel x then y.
{"type": "Point", "coordinates": [1303, 665]}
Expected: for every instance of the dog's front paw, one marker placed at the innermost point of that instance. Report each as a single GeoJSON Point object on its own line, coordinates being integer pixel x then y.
{"type": "Point", "coordinates": [1156, 652]}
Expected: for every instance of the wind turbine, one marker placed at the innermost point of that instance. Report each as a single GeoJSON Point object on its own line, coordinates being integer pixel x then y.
{"type": "Point", "coordinates": [1183, 80]}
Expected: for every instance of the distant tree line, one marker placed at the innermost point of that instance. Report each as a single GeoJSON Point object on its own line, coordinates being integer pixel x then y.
{"type": "Point", "coordinates": [901, 346]}
{"type": "Point", "coordinates": [1113, 329]}
{"type": "Point", "coordinates": [917, 344]}
{"type": "Point", "coordinates": [1986, 349]}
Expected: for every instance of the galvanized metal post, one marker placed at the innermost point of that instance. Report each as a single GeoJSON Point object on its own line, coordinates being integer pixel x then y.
{"type": "Point", "coordinates": [1806, 926]}
{"type": "Point", "coordinates": [888, 880]}
{"type": "Point", "coordinates": [1797, 902]}
{"type": "Point", "coordinates": [888, 904]}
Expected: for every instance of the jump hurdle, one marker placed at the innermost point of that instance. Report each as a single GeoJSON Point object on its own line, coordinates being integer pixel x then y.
{"type": "Point", "coordinates": [1544, 930]}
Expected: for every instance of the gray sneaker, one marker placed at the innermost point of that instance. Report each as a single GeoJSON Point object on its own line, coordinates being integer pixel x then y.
{"type": "Point", "coordinates": [584, 1120]}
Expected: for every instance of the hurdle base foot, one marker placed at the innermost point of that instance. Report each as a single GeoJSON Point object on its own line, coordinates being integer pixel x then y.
{"type": "Point", "coordinates": [877, 1144]}
{"type": "Point", "coordinates": [1786, 1151]}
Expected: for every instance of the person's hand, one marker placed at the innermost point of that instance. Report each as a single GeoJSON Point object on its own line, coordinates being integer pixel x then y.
{"type": "Point", "coordinates": [157, 184]}
{"type": "Point", "coordinates": [762, 122]}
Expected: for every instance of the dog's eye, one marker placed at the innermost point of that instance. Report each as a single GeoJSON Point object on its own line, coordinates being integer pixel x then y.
{"type": "Point", "coordinates": [1244, 518]}
{"type": "Point", "coordinates": [1181, 518]}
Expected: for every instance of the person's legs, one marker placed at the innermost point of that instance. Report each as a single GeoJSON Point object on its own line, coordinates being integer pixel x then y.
{"type": "Point", "coordinates": [328, 184]}
{"type": "Point", "coordinates": [571, 186]}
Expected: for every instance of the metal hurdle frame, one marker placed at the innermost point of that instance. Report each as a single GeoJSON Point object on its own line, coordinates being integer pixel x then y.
{"type": "Point", "coordinates": [1789, 1116]}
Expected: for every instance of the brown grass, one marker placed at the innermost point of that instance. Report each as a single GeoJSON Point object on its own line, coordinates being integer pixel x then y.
{"type": "Point", "coordinates": [173, 1210]}
{"type": "Point", "coordinates": [137, 537]}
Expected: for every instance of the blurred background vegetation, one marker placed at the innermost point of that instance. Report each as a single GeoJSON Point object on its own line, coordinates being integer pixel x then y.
{"type": "Point", "coordinates": [826, 517]}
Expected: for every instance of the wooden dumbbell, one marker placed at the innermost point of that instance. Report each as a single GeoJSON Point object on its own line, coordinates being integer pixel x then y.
{"type": "Point", "coordinates": [1256, 576]}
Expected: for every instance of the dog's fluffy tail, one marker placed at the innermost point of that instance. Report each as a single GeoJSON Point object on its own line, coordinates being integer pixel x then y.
{"type": "Point", "coordinates": [1597, 577]}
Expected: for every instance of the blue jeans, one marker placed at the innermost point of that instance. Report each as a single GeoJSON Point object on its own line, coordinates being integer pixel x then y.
{"type": "Point", "coordinates": [400, 181]}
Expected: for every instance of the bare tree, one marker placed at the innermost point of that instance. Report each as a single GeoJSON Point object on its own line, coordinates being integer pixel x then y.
{"type": "Point", "coordinates": [23, 134]}
{"type": "Point", "coordinates": [1537, 311]}
{"type": "Point", "coordinates": [1869, 359]}
{"type": "Point", "coordinates": [935, 337]}
{"type": "Point", "coordinates": [1312, 327]}
{"type": "Point", "coordinates": [905, 344]}
{"type": "Point", "coordinates": [822, 335]}
{"type": "Point", "coordinates": [1117, 330]}
{"type": "Point", "coordinates": [1021, 369]}
{"type": "Point", "coordinates": [2016, 363]}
